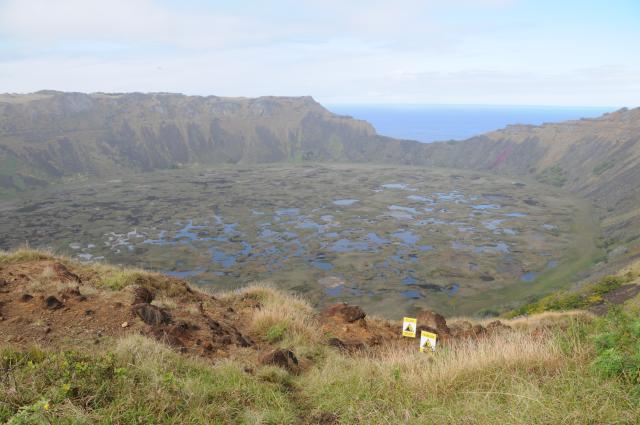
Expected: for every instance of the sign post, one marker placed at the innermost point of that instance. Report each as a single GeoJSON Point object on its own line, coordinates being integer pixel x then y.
{"type": "Point", "coordinates": [409, 327]}
{"type": "Point", "coordinates": [427, 340]}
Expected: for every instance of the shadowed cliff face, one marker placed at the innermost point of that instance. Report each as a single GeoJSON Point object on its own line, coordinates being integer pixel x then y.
{"type": "Point", "coordinates": [51, 134]}
{"type": "Point", "coordinates": [598, 159]}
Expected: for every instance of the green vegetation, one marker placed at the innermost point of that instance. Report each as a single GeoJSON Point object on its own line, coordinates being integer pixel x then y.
{"type": "Point", "coordinates": [119, 279]}
{"type": "Point", "coordinates": [276, 332]}
{"type": "Point", "coordinates": [550, 368]}
{"type": "Point", "coordinates": [566, 375]}
{"type": "Point", "coordinates": [586, 297]}
{"type": "Point", "coordinates": [140, 381]}
{"type": "Point", "coordinates": [553, 175]}
{"type": "Point", "coordinates": [602, 167]}
{"type": "Point", "coordinates": [618, 348]}
{"type": "Point", "coordinates": [23, 255]}
{"type": "Point", "coordinates": [108, 220]}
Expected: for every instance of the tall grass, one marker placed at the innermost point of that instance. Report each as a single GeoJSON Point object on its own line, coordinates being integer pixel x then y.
{"type": "Point", "coordinates": [141, 381]}
{"type": "Point", "coordinates": [282, 318]}
{"type": "Point", "coordinates": [24, 254]}
{"type": "Point", "coordinates": [551, 368]}
{"type": "Point", "coordinates": [506, 379]}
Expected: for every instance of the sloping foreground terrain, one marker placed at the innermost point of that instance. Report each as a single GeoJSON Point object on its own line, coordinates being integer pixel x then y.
{"type": "Point", "coordinates": [101, 344]}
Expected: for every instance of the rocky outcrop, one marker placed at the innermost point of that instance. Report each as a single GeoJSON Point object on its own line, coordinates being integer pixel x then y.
{"type": "Point", "coordinates": [432, 322]}
{"type": "Point", "coordinates": [142, 295]}
{"type": "Point", "coordinates": [285, 359]}
{"type": "Point", "coordinates": [152, 315]}
{"type": "Point", "coordinates": [52, 303]}
{"type": "Point", "coordinates": [63, 273]}
{"type": "Point", "coordinates": [343, 312]}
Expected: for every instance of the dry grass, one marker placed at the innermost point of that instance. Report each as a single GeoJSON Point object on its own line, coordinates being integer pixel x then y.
{"type": "Point", "coordinates": [24, 254]}
{"type": "Point", "coordinates": [511, 378]}
{"type": "Point", "coordinates": [518, 377]}
{"type": "Point", "coordinates": [283, 318]}
{"type": "Point", "coordinates": [165, 302]}
{"type": "Point", "coordinates": [549, 319]}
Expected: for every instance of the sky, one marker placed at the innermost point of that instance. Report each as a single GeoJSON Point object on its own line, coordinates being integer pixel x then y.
{"type": "Point", "coordinates": [490, 52]}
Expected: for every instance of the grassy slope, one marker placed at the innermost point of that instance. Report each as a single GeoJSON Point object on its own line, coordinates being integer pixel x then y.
{"type": "Point", "coordinates": [581, 254]}
{"type": "Point", "coordinates": [543, 372]}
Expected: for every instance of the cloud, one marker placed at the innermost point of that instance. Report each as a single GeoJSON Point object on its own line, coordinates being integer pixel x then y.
{"type": "Point", "coordinates": [453, 51]}
{"type": "Point", "coordinates": [201, 25]}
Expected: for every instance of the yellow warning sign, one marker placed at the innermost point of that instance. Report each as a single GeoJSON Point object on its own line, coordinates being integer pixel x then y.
{"type": "Point", "coordinates": [427, 340]}
{"type": "Point", "coordinates": [409, 327]}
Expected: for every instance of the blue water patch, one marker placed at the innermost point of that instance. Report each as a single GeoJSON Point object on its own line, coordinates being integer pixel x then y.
{"type": "Point", "coordinates": [346, 245]}
{"type": "Point", "coordinates": [320, 261]}
{"type": "Point", "coordinates": [288, 212]}
{"type": "Point", "coordinates": [401, 208]}
{"type": "Point", "coordinates": [409, 280]}
{"type": "Point", "coordinates": [184, 274]}
{"type": "Point", "coordinates": [186, 232]}
{"type": "Point", "coordinates": [246, 248]}
{"type": "Point", "coordinates": [373, 237]}
{"type": "Point", "coordinates": [551, 264]}
{"type": "Point", "coordinates": [160, 241]}
{"type": "Point", "coordinates": [501, 247]}
{"type": "Point", "coordinates": [335, 291]}
{"type": "Point", "coordinates": [459, 246]}
{"type": "Point", "coordinates": [418, 198]}
{"type": "Point", "coordinates": [309, 224]}
{"type": "Point", "coordinates": [529, 276]}
{"type": "Point", "coordinates": [230, 229]}
{"type": "Point", "coordinates": [492, 224]}
{"type": "Point", "coordinates": [451, 196]}
{"type": "Point", "coordinates": [453, 289]}
{"type": "Point", "coordinates": [401, 257]}
{"type": "Point", "coordinates": [413, 294]}
{"type": "Point", "coordinates": [425, 248]}
{"type": "Point", "coordinates": [486, 207]}
{"type": "Point", "coordinates": [402, 186]}
{"type": "Point", "coordinates": [345, 202]}
{"type": "Point", "coordinates": [225, 259]}
{"type": "Point", "coordinates": [407, 237]}
{"type": "Point", "coordinates": [516, 214]}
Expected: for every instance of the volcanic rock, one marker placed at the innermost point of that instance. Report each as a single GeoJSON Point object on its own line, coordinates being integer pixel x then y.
{"type": "Point", "coordinates": [282, 358]}
{"type": "Point", "coordinates": [142, 295]}
{"type": "Point", "coordinates": [348, 346]}
{"type": "Point", "coordinates": [344, 312]}
{"type": "Point", "coordinates": [64, 274]}
{"type": "Point", "coordinates": [152, 315]}
{"type": "Point", "coordinates": [52, 303]}
{"type": "Point", "coordinates": [432, 322]}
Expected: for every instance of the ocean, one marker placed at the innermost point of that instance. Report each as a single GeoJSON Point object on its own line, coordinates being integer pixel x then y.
{"type": "Point", "coordinates": [430, 123]}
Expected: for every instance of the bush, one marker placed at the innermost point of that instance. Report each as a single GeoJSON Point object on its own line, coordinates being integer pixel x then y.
{"type": "Point", "coordinates": [618, 347]}
{"type": "Point", "coordinates": [140, 382]}
{"type": "Point", "coordinates": [602, 167]}
{"type": "Point", "coordinates": [554, 176]}
{"type": "Point", "coordinates": [276, 332]}
{"type": "Point", "coordinates": [588, 296]}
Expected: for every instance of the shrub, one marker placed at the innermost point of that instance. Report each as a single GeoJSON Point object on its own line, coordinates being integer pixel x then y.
{"type": "Point", "coordinates": [602, 167]}
{"type": "Point", "coordinates": [618, 347]}
{"type": "Point", "coordinates": [564, 300]}
{"type": "Point", "coordinates": [554, 176]}
{"type": "Point", "coordinates": [276, 332]}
